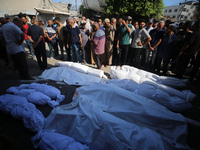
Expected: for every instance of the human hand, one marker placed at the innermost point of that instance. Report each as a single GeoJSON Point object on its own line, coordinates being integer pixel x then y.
{"type": "Point", "coordinates": [140, 43]}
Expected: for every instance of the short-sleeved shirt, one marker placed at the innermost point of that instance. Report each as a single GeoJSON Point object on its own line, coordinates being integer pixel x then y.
{"type": "Point", "coordinates": [35, 32]}
{"type": "Point", "coordinates": [51, 31]}
{"type": "Point", "coordinates": [99, 42]}
{"type": "Point", "coordinates": [12, 33]}
{"type": "Point", "coordinates": [139, 36]}
{"type": "Point", "coordinates": [60, 32]}
{"type": "Point", "coordinates": [167, 46]}
{"type": "Point", "coordinates": [74, 34]}
{"type": "Point", "coordinates": [124, 35]}
{"type": "Point", "coordinates": [194, 43]}
{"type": "Point", "coordinates": [156, 36]}
{"type": "Point", "coordinates": [85, 36]}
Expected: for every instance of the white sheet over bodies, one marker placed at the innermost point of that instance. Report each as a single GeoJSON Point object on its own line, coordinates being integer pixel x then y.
{"type": "Point", "coordinates": [127, 72]}
{"type": "Point", "coordinates": [173, 99]}
{"type": "Point", "coordinates": [106, 117]}
{"type": "Point", "coordinates": [48, 140]}
{"type": "Point", "coordinates": [40, 94]}
{"type": "Point", "coordinates": [69, 76]}
{"type": "Point", "coordinates": [20, 108]}
{"type": "Point", "coordinates": [82, 68]}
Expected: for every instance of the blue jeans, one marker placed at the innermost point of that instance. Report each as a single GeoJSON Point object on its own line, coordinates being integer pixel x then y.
{"type": "Point", "coordinates": [150, 60]}
{"type": "Point", "coordinates": [75, 51]}
{"type": "Point", "coordinates": [28, 42]}
{"type": "Point", "coordinates": [53, 46]}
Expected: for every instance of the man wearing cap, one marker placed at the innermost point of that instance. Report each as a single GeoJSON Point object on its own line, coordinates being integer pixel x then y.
{"type": "Point", "coordinates": [124, 40]}
{"type": "Point", "coordinates": [85, 33]}
{"type": "Point", "coordinates": [101, 24]}
{"type": "Point", "coordinates": [7, 17]}
{"type": "Point", "coordinates": [110, 35]}
{"type": "Point", "coordinates": [14, 38]}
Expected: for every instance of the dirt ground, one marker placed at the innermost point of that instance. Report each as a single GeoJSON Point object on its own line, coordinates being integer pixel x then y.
{"type": "Point", "coordinates": [20, 137]}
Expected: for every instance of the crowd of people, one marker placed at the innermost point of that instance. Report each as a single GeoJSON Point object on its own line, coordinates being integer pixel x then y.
{"type": "Point", "coordinates": [155, 46]}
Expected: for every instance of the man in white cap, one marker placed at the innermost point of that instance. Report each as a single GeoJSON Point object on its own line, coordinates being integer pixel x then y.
{"type": "Point", "coordinates": [110, 35]}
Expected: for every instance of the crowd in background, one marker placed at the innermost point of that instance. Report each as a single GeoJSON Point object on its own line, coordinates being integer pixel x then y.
{"type": "Point", "coordinates": [155, 46]}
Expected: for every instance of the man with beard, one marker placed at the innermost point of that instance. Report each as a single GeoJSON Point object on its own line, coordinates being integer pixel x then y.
{"type": "Point", "coordinates": [110, 35]}
{"type": "Point", "coordinates": [166, 48]}
{"type": "Point", "coordinates": [140, 38]}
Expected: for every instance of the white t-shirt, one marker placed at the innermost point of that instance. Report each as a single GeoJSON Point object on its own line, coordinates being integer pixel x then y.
{"type": "Point", "coordinates": [138, 36]}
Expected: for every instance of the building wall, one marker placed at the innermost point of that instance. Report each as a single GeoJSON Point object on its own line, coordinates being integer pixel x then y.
{"type": "Point", "coordinates": [180, 12]}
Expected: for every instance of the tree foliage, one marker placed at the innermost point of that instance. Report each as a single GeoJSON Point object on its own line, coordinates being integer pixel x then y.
{"type": "Point", "coordinates": [134, 7]}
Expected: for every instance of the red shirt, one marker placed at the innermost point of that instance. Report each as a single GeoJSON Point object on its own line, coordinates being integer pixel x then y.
{"type": "Point", "coordinates": [25, 31]}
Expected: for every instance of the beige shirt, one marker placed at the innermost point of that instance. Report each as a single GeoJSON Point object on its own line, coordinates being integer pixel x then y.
{"type": "Point", "coordinates": [60, 32]}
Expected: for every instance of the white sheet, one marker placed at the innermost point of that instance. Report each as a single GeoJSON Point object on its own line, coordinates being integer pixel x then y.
{"type": "Point", "coordinates": [127, 72]}
{"type": "Point", "coordinates": [107, 117]}
{"type": "Point", "coordinates": [69, 76]}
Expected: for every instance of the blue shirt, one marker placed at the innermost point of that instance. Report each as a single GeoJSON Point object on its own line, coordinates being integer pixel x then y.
{"type": "Point", "coordinates": [51, 31]}
{"type": "Point", "coordinates": [12, 33]}
{"type": "Point", "coordinates": [74, 35]}
{"type": "Point", "coordinates": [102, 28]}
{"type": "Point", "coordinates": [35, 32]}
{"type": "Point", "coordinates": [156, 36]}
{"type": "Point", "coordinates": [167, 46]}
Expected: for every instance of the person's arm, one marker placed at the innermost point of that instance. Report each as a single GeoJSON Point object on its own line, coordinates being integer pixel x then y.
{"type": "Point", "coordinates": [118, 40]}
{"type": "Point", "coordinates": [19, 42]}
{"type": "Point", "coordinates": [184, 47]}
{"type": "Point", "coordinates": [38, 41]}
{"type": "Point", "coordinates": [124, 23]}
{"type": "Point", "coordinates": [80, 39]}
{"type": "Point", "coordinates": [144, 41]}
{"type": "Point", "coordinates": [29, 37]}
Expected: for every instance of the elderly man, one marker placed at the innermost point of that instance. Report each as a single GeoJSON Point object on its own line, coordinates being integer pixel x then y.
{"type": "Point", "coordinates": [14, 38]}
{"type": "Point", "coordinates": [99, 45]}
{"type": "Point", "coordinates": [75, 41]}
{"type": "Point", "coordinates": [110, 35]}
{"type": "Point", "coordinates": [35, 35]}
{"type": "Point", "coordinates": [156, 35]}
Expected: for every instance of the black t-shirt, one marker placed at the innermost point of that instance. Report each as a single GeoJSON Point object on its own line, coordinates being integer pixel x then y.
{"type": "Point", "coordinates": [194, 43]}
{"type": "Point", "coordinates": [74, 35]}
{"type": "Point", "coordinates": [35, 32]}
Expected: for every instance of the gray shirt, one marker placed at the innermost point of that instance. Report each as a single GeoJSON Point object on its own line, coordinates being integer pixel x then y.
{"type": "Point", "coordinates": [138, 36]}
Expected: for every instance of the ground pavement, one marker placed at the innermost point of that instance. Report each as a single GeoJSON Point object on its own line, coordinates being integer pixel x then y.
{"type": "Point", "coordinates": [20, 137]}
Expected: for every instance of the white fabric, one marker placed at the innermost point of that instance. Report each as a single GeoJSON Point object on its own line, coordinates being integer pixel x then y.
{"type": "Point", "coordinates": [127, 72]}
{"type": "Point", "coordinates": [48, 140]}
{"type": "Point", "coordinates": [20, 108]}
{"type": "Point", "coordinates": [82, 68]}
{"type": "Point", "coordinates": [173, 99]}
{"type": "Point", "coordinates": [107, 117]}
{"type": "Point", "coordinates": [40, 94]}
{"type": "Point", "coordinates": [69, 76]}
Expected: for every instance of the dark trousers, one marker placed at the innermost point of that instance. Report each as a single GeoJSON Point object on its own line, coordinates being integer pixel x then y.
{"type": "Point", "coordinates": [196, 66]}
{"type": "Point", "coordinates": [124, 54]}
{"type": "Point", "coordinates": [62, 45]}
{"type": "Point", "coordinates": [98, 60]}
{"type": "Point", "coordinates": [41, 52]}
{"type": "Point", "coordinates": [20, 62]}
{"type": "Point", "coordinates": [53, 46]}
{"type": "Point", "coordinates": [165, 64]}
{"type": "Point", "coordinates": [183, 61]}
{"type": "Point", "coordinates": [85, 50]}
{"type": "Point", "coordinates": [3, 54]}
{"type": "Point", "coordinates": [135, 56]}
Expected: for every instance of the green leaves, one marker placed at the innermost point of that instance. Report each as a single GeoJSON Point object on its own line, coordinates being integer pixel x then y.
{"type": "Point", "coordinates": [134, 7]}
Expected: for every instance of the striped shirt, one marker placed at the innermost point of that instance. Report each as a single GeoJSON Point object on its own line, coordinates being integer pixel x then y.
{"type": "Point", "coordinates": [99, 42]}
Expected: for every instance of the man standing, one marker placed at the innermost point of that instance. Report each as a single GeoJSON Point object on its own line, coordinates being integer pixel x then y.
{"type": "Point", "coordinates": [35, 35]}
{"type": "Point", "coordinates": [101, 24]}
{"type": "Point", "coordinates": [14, 38]}
{"type": "Point", "coordinates": [140, 38]}
{"type": "Point", "coordinates": [75, 41]}
{"type": "Point", "coordinates": [188, 50]}
{"type": "Point", "coordinates": [50, 32]}
{"type": "Point", "coordinates": [85, 33]}
{"type": "Point", "coordinates": [167, 46]}
{"type": "Point", "coordinates": [61, 38]}
{"type": "Point", "coordinates": [28, 42]}
{"type": "Point", "coordinates": [124, 40]}
{"type": "Point", "coordinates": [110, 35]}
{"type": "Point", "coordinates": [99, 45]}
{"type": "Point", "coordinates": [156, 35]}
